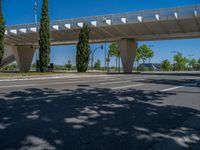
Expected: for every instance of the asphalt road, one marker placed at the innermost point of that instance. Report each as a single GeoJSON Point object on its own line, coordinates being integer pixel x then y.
{"type": "Point", "coordinates": [108, 112]}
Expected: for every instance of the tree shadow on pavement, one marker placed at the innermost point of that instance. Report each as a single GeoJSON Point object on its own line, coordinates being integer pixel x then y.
{"type": "Point", "coordinates": [174, 82]}
{"type": "Point", "coordinates": [87, 119]}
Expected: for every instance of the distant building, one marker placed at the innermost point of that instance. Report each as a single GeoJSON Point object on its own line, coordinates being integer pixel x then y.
{"type": "Point", "coordinates": [151, 66]}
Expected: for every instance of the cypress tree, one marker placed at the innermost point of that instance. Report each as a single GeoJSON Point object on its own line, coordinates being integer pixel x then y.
{"type": "Point", "coordinates": [83, 50]}
{"type": "Point", "coordinates": [44, 42]}
{"type": "Point", "coordinates": [2, 32]}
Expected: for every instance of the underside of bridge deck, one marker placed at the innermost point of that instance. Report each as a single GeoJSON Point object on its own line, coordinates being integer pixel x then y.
{"type": "Point", "coordinates": [125, 29]}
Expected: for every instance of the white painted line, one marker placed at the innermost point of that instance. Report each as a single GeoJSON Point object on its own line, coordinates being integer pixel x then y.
{"type": "Point", "coordinates": [170, 89]}
{"type": "Point", "coordinates": [116, 79]}
{"type": "Point", "coordinates": [107, 77]}
{"type": "Point", "coordinates": [115, 82]}
{"type": "Point", "coordinates": [55, 77]}
{"type": "Point", "coordinates": [31, 79]}
{"type": "Point", "coordinates": [71, 77]}
{"type": "Point", "coordinates": [59, 83]}
{"type": "Point", "coordinates": [128, 86]}
{"type": "Point", "coordinates": [14, 86]}
{"type": "Point", "coordinates": [29, 85]}
{"type": "Point", "coordinates": [111, 79]}
{"type": "Point", "coordinates": [91, 78]}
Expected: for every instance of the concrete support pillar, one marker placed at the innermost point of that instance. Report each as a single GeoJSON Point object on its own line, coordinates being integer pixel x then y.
{"type": "Point", "coordinates": [8, 57]}
{"type": "Point", "coordinates": [8, 51]}
{"type": "Point", "coordinates": [127, 49]}
{"type": "Point", "coordinates": [24, 56]}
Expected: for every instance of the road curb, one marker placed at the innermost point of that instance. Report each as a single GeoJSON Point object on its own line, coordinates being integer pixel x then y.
{"type": "Point", "coordinates": [74, 76]}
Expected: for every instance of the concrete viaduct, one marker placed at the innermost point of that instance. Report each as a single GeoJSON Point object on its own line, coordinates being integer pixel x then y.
{"type": "Point", "coordinates": [125, 29]}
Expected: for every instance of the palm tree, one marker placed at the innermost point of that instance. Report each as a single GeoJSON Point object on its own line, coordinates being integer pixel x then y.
{"type": "Point", "coordinates": [150, 54]}
{"type": "Point", "coordinates": [138, 57]}
{"type": "Point", "coordinates": [145, 52]}
{"type": "Point", "coordinates": [114, 51]}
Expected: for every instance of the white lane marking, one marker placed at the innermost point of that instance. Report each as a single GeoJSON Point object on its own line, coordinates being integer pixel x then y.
{"type": "Point", "coordinates": [83, 78]}
{"type": "Point", "coordinates": [128, 86]}
{"type": "Point", "coordinates": [111, 79]}
{"type": "Point", "coordinates": [30, 85]}
{"type": "Point", "coordinates": [118, 79]}
{"type": "Point", "coordinates": [14, 86]}
{"type": "Point", "coordinates": [178, 87]}
{"type": "Point", "coordinates": [71, 82]}
{"type": "Point", "coordinates": [115, 82]}
{"type": "Point", "coordinates": [170, 89]}
{"type": "Point", "coordinates": [54, 77]}
{"type": "Point", "coordinates": [31, 79]}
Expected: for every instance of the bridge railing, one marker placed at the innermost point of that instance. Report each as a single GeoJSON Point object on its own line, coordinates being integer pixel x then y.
{"type": "Point", "coordinates": [113, 19]}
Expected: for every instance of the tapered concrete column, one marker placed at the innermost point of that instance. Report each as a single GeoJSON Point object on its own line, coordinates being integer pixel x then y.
{"type": "Point", "coordinates": [127, 49]}
{"type": "Point", "coordinates": [8, 56]}
{"type": "Point", "coordinates": [8, 51]}
{"type": "Point", "coordinates": [24, 56]}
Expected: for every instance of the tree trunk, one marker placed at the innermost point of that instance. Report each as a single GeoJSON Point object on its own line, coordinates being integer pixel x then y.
{"type": "Point", "coordinates": [119, 63]}
{"type": "Point", "coordinates": [108, 64]}
{"type": "Point", "coordinates": [116, 64]}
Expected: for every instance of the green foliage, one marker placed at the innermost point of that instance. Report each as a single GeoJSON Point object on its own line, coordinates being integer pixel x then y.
{"type": "Point", "coordinates": [97, 65]}
{"type": "Point", "coordinates": [193, 64]}
{"type": "Point", "coordinates": [2, 32]}
{"type": "Point", "coordinates": [11, 67]}
{"type": "Point", "coordinates": [150, 54]}
{"type": "Point", "coordinates": [138, 58]}
{"type": "Point", "coordinates": [198, 64]}
{"type": "Point", "coordinates": [59, 67]}
{"type": "Point", "coordinates": [114, 50]}
{"type": "Point", "coordinates": [198, 61]}
{"type": "Point", "coordinates": [142, 68]}
{"type": "Point", "coordinates": [44, 42]}
{"type": "Point", "coordinates": [68, 65]}
{"type": "Point", "coordinates": [33, 66]}
{"type": "Point", "coordinates": [83, 50]}
{"type": "Point", "coordinates": [166, 65]}
{"type": "Point", "coordinates": [181, 62]}
{"type": "Point", "coordinates": [144, 52]}
{"type": "Point", "coordinates": [138, 55]}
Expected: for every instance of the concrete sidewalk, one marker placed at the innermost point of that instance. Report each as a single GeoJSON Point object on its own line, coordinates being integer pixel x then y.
{"type": "Point", "coordinates": [51, 76]}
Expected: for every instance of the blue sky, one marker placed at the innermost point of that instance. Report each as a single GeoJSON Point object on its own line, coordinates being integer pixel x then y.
{"type": "Point", "coordinates": [21, 11]}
